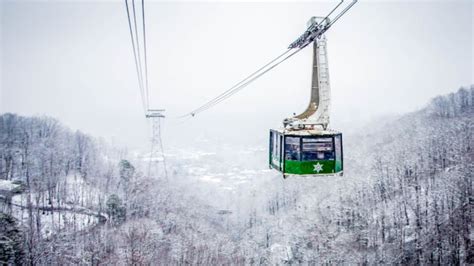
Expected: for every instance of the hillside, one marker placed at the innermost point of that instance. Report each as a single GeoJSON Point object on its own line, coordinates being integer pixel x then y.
{"type": "Point", "coordinates": [416, 202]}
{"type": "Point", "coordinates": [405, 198]}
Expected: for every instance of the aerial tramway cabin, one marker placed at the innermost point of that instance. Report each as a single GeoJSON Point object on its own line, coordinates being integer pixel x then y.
{"type": "Point", "coordinates": [306, 152]}
{"type": "Point", "coordinates": [304, 146]}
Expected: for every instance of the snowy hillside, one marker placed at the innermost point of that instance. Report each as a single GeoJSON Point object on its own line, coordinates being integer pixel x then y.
{"type": "Point", "coordinates": [405, 198]}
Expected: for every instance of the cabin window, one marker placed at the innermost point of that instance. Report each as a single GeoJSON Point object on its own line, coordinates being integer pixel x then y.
{"type": "Point", "coordinates": [315, 149]}
{"type": "Point", "coordinates": [272, 141]}
{"type": "Point", "coordinates": [275, 148]}
{"type": "Point", "coordinates": [292, 148]}
{"type": "Point", "coordinates": [337, 143]}
{"type": "Point", "coordinates": [275, 144]}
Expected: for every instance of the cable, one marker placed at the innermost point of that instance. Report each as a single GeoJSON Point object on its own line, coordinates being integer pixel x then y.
{"type": "Point", "coordinates": [233, 87]}
{"type": "Point", "coordinates": [334, 9]}
{"type": "Point", "coordinates": [342, 13]}
{"type": "Point", "coordinates": [145, 56]}
{"type": "Point", "coordinates": [250, 81]}
{"type": "Point", "coordinates": [135, 57]}
{"type": "Point", "coordinates": [138, 49]}
{"type": "Point", "coordinates": [243, 85]}
{"type": "Point", "coordinates": [212, 101]}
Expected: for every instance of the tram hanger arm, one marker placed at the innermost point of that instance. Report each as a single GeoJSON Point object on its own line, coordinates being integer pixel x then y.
{"type": "Point", "coordinates": [316, 30]}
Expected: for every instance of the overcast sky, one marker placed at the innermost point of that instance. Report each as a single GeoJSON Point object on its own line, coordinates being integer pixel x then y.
{"type": "Point", "coordinates": [73, 60]}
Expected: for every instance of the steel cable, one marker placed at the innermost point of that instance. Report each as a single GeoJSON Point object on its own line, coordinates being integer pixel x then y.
{"type": "Point", "coordinates": [138, 49]}
{"type": "Point", "coordinates": [242, 85]}
{"type": "Point", "coordinates": [211, 102]}
{"type": "Point", "coordinates": [147, 95]}
{"type": "Point", "coordinates": [140, 84]}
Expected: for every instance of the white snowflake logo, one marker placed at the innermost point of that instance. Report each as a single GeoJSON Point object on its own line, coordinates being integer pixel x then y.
{"type": "Point", "coordinates": [318, 167]}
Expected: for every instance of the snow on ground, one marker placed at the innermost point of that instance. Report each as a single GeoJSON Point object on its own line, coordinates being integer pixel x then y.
{"type": "Point", "coordinates": [210, 178]}
{"type": "Point", "coordinates": [7, 185]}
{"type": "Point", "coordinates": [55, 222]}
{"type": "Point", "coordinates": [74, 191]}
{"type": "Point", "coordinates": [74, 213]}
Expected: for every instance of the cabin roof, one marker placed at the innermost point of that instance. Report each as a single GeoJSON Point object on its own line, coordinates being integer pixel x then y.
{"type": "Point", "coordinates": [307, 132]}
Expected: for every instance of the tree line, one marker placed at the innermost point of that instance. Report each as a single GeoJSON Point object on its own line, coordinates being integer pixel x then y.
{"type": "Point", "coordinates": [406, 198]}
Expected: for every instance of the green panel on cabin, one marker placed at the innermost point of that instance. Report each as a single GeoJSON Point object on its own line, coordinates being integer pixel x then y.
{"type": "Point", "coordinates": [310, 167]}
{"type": "Point", "coordinates": [338, 166]}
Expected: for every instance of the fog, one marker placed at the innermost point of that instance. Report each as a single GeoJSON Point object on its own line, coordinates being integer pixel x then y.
{"type": "Point", "coordinates": [73, 60]}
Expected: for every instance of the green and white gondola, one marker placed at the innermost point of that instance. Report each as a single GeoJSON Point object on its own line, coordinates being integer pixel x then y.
{"type": "Point", "coordinates": [306, 152]}
{"type": "Point", "coordinates": [305, 146]}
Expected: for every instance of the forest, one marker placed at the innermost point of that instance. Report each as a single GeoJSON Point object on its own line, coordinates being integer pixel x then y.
{"type": "Point", "coordinates": [406, 197]}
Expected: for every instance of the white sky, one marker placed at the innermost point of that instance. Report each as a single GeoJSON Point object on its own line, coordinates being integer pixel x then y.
{"type": "Point", "coordinates": [73, 60]}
